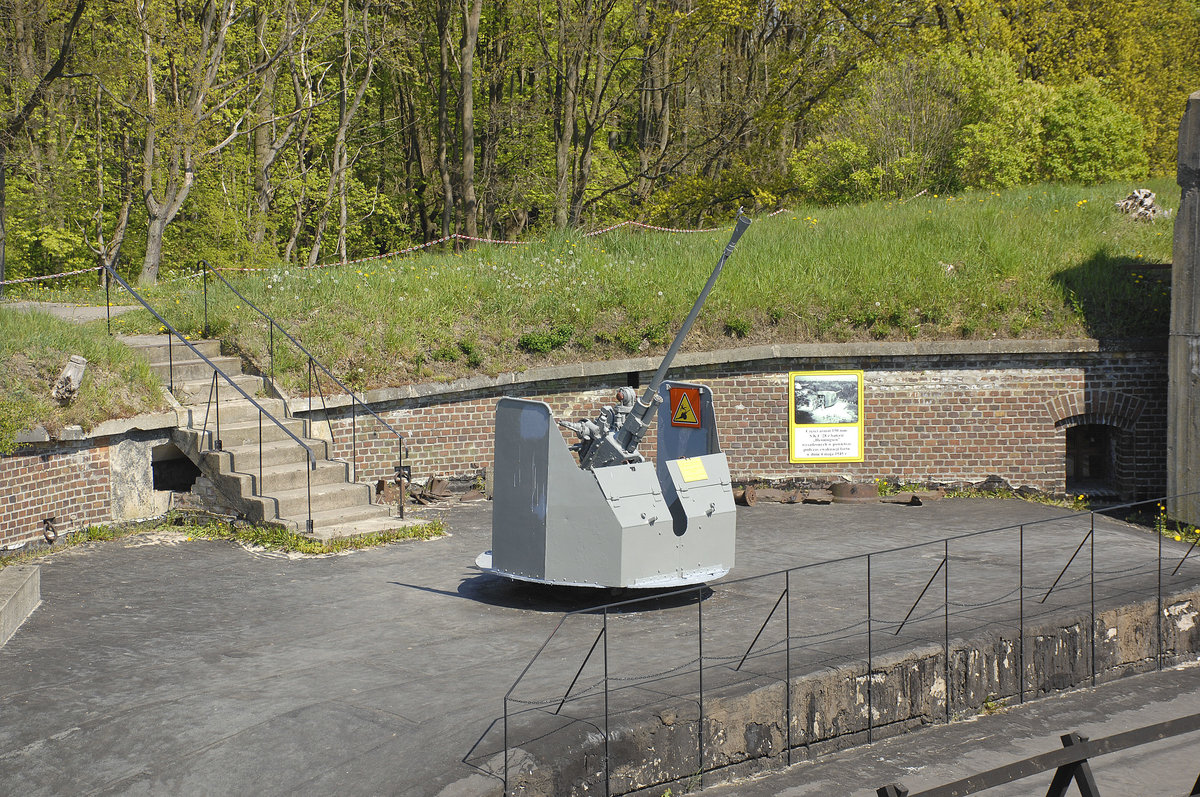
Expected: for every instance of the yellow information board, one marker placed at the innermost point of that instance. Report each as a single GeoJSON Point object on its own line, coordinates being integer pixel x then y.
{"type": "Point", "coordinates": [825, 417]}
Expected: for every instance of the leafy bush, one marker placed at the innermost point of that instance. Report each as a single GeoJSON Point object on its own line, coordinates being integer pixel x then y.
{"type": "Point", "coordinates": [892, 138]}
{"type": "Point", "coordinates": [1089, 138]}
{"type": "Point", "coordinates": [1000, 142]}
{"type": "Point", "coordinates": [951, 120]}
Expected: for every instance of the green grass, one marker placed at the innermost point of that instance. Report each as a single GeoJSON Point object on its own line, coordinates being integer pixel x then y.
{"type": "Point", "coordinates": [270, 538]}
{"type": "Point", "coordinates": [34, 349]}
{"type": "Point", "coordinates": [1035, 262]}
{"type": "Point", "coordinates": [273, 538]}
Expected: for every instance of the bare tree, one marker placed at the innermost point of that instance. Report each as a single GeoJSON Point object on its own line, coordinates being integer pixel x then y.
{"type": "Point", "coordinates": [268, 139]}
{"type": "Point", "coordinates": [356, 66]}
{"type": "Point", "coordinates": [186, 52]}
{"type": "Point", "coordinates": [108, 251]}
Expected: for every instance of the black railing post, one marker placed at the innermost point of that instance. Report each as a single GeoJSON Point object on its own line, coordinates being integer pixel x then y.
{"type": "Point", "coordinates": [1092, 586]}
{"type": "Point", "coordinates": [271, 353]}
{"type": "Point", "coordinates": [312, 464]}
{"type": "Point", "coordinates": [946, 624]}
{"type": "Point", "coordinates": [217, 408]}
{"type": "Point", "coordinates": [700, 673]}
{"type": "Point", "coordinates": [353, 438]}
{"type": "Point", "coordinates": [870, 659]}
{"type": "Point", "coordinates": [504, 793]}
{"type": "Point", "coordinates": [1021, 615]}
{"type": "Point", "coordinates": [170, 363]}
{"type": "Point", "coordinates": [207, 407]}
{"type": "Point", "coordinates": [107, 301]}
{"type": "Point", "coordinates": [204, 272]}
{"type": "Point", "coordinates": [787, 658]}
{"type": "Point", "coordinates": [403, 481]}
{"type": "Point", "coordinates": [607, 767]}
{"type": "Point", "coordinates": [1158, 644]}
{"type": "Point", "coordinates": [260, 456]}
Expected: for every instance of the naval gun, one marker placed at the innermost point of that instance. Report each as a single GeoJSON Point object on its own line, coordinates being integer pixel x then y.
{"type": "Point", "coordinates": [612, 518]}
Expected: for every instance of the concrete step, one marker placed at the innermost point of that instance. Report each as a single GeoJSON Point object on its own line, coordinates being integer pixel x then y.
{"type": "Point", "coordinates": [242, 411]}
{"type": "Point", "coordinates": [244, 459]}
{"type": "Point", "coordinates": [296, 475]}
{"type": "Point", "coordinates": [193, 369]}
{"type": "Point", "coordinates": [347, 522]}
{"type": "Point", "coordinates": [243, 435]}
{"type": "Point", "coordinates": [195, 444]}
{"type": "Point", "coordinates": [155, 349]}
{"type": "Point", "coordinates": [196, 392]}
{"type": "Point", "coordinates": [361, 527]}
{"type": "Point", "coordinates": [343, 497]}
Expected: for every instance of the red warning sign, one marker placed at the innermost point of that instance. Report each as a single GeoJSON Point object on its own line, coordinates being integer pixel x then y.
{"type": "Point", "coordinates": [685, 406]}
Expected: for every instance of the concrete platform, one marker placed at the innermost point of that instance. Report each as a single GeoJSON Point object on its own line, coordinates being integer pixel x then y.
{"type": "Point", "coordinates": [20, 594]}
{"type": "Point", "coordinates": [161, 665]}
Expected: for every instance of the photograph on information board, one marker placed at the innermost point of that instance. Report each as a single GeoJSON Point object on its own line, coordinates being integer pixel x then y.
{"type": "Point", "coordinates": [826, 417]}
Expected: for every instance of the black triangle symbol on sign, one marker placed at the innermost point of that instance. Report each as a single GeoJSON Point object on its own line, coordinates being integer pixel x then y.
{"type": "Point", "coordinates": [684, 413]}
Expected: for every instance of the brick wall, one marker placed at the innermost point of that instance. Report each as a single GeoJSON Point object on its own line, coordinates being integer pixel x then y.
{"type": "Point", "coordinates": [70, 481]}
{"type": "Point", "coordinates": [930, 417]}
{"type": "Point", "coordinates": [937, 418]}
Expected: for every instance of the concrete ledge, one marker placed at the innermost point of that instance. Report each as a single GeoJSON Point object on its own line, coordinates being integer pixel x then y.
{"type": "Point", "coordinates": [739, 356]}
{"type": "Point", "coordinates": [20, 594]}
{"type": "Point", "coordinates": [149, 422]}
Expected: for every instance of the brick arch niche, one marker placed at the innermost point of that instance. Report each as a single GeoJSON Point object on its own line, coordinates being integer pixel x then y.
{"type": "Point", "coordinates": [1100, 442]}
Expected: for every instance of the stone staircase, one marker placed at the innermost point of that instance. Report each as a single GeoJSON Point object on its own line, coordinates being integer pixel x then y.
{"type": "Point", "coordinates": [279, 491]}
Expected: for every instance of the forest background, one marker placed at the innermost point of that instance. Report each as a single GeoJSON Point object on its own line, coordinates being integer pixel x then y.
{"type": "Point", "coordinates": [148, 135]}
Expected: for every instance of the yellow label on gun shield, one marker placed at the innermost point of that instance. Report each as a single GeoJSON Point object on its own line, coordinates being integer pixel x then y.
{"type": "Point", "coordinates": [692, 470]}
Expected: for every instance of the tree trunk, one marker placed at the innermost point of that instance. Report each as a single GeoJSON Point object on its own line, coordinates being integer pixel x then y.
{"type": "Point", "coordinates": [470, 36]}
{"type": "Point", "coordinates": [594, 115]}
{"type": "Point", "coordinates": [443, 26]}
{"type": "Point", "coordinates": [264, 152]}
{"type": "Point", "coordinates": [155, 231]}
{"type": "Point", "coordinates": [339, 167]}
{"type": "Point", "coordinates": [564, 123]}
{"type": "Point", "coordinates": [3, 211]}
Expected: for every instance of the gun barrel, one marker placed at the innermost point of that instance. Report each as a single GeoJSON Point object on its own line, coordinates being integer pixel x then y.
{"type": "Point", "coordinates": [646, 403]}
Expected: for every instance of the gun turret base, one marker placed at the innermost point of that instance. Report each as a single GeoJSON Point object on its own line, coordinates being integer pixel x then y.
{"type": "Point", "coordinates": [484, 563]}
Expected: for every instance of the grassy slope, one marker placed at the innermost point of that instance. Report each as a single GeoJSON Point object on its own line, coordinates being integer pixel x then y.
{"type": "Point", "coordinates": [1040, 261]}
{"type": "Point", "coordinates": [34, 348]}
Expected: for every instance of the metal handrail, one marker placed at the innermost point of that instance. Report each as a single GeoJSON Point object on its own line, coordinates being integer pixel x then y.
{"type": "Point", "coordinates": [1072, 757]}
{"type": "Point", "coordinates": [786, 573]}
{"type": "Point", "coordinates": [312, 457]}
{"type": "Point", "coordinates": [312, 360]}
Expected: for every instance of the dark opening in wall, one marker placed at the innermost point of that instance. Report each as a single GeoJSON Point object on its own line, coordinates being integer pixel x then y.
{"type": "Point", "coordinates": [1089, 460]}
{"type": "Point", "coordinates": [172, 470]}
